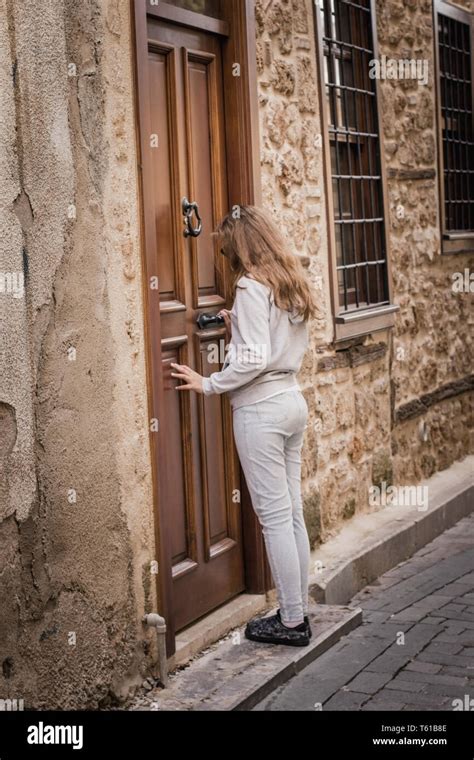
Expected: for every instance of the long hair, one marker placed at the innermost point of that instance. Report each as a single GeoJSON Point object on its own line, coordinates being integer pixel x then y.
{"type": "Point", "coordinates": [254, 246]}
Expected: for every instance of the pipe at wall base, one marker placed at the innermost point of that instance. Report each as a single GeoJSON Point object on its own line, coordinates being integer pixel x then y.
{"type": "Point", "coordinates": [159, 623]}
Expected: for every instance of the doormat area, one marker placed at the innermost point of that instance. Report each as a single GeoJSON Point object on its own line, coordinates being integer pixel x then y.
{"type": "Point", "coordinates": [235, 674]}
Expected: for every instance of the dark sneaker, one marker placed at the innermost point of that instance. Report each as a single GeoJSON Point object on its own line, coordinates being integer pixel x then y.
{"type": "Point", "coordinates": [306, 620]}
{"type": "Point", "coordinates": [270, 630]}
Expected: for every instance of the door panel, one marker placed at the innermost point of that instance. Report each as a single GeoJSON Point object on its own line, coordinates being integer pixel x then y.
{"type": "Point", "coordinates": [198, 469]}
{"type": "Point", "coordinates": [163, 100]}
{"type": "Point", "coordinates": [208, 7]}
{"type": "Point", "coordinates": [207, 167]}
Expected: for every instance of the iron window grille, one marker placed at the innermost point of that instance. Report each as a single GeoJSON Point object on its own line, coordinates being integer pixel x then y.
{"type": "Point", "coordinates": [456, 127]}
{"type": "Point", "coordinates": [347, 41]}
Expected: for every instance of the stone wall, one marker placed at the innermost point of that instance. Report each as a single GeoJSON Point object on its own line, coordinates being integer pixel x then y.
{"type": "Point", "coordinates": [466, 4]}
{"type": "Point", "coordinates": [353, 440]}
{"type": "Point", "coordinates": [433, 338]}
{"type": "Point", "coordinates": [349, 401]}
{"type": "Point", "coordinates": [76, 530]}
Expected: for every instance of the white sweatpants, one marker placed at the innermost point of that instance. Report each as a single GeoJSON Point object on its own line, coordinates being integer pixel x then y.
{"type": "Point", "coordinates": [269, 438]}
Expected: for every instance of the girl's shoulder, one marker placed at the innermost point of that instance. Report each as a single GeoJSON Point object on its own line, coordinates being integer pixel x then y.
{"type": "Point", "coordinates": [248, 282]}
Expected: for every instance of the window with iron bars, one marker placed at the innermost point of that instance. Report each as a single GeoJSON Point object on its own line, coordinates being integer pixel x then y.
{"type": "Point", "coordinates": [346, 42]}
{"type": "Point", "coordinates": [456, 128]}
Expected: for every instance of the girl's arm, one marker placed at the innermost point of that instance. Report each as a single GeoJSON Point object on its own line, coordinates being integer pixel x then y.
{"type": "Point", "coordinates": [251, 357]}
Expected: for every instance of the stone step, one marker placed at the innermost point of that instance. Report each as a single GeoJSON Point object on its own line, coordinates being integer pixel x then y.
{"type": "Point", "coordinates": [235, 674]}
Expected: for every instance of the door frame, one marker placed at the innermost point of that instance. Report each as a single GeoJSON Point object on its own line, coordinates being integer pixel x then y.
{"type": "Point", "coordinates": [244, 186]}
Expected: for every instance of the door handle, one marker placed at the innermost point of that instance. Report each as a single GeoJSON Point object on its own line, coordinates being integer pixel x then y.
{"type": "Point", "coordinates": [209, 320]}
{"type": "Point", "coordinates": [190, 208]}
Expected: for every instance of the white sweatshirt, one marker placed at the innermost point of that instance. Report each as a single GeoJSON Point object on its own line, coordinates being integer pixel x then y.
{"type": "Point", "coordinates": [266, 350]}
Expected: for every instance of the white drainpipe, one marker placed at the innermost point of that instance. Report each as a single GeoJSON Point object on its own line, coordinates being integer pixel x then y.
{"type": "Point", "coordinates": [159, 623]}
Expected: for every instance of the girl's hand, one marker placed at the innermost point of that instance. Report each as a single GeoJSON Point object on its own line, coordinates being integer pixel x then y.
{"type": "Point", "coordinates": [193, 381]}
{"type": "Point", "coordinates": [228, 324]}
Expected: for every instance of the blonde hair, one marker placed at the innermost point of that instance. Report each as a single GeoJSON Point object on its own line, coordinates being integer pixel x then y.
{"type": "Point", "coordinates": [254, 246]}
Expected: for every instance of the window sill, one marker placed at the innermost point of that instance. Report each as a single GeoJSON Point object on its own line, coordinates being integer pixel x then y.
{"type": "Point", "coordinates": [457, 242]}
{"type": "Point", "coordinates": [364, 322]}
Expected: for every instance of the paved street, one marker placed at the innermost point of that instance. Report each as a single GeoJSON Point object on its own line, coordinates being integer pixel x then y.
{"type": "Point", "coordinates": [415, 649]}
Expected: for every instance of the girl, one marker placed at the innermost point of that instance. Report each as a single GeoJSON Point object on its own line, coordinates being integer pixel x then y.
{"type": "Point", "coordinates": [269, 336]}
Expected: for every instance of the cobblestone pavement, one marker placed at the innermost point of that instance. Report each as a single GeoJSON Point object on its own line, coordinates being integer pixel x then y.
{"type": "Point", "coordinates": [415, 648]}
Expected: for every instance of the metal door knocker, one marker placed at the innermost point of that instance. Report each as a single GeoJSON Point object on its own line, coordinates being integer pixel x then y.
{"type": "Point", "coordinates": [188, 210]}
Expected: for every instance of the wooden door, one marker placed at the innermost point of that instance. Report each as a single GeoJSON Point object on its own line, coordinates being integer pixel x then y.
{"type": "Point", "coordinates": [194, 120]}
{"type": "Point", "coordinates": [198, 471]}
